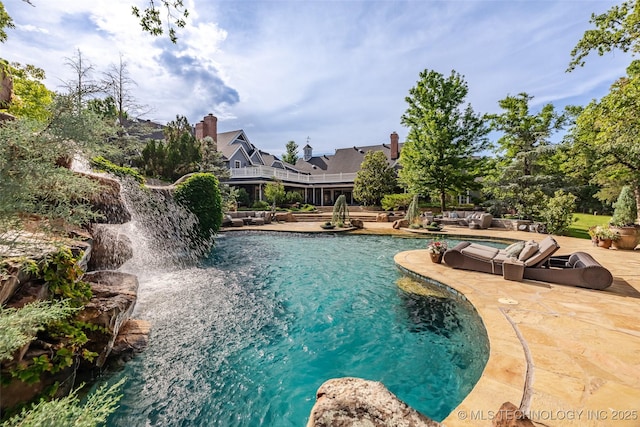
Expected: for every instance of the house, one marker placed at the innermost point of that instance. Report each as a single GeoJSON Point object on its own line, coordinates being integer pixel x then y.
{"type": "Point", "coordinates": [319, 179]}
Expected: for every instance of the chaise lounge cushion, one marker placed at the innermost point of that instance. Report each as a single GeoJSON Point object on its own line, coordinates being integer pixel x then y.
{"type": "Point", "coordinates": [528, 250]}
{"type": "Point", "coordinates": [547, 247]}
{"type": "Point", "coordinates": [514, 249]}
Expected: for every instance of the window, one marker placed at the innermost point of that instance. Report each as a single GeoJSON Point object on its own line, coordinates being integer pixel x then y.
{"type": "Point", "coordinates": [236, 164]}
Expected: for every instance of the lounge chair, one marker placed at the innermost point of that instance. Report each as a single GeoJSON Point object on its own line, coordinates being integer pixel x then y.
{"type": "Point", "coordinates": [534, 261]}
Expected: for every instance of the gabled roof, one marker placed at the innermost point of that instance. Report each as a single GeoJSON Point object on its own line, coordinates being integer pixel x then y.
{"type": "Point", "coordinates": [345, 160]}
{"type": "Point", "coordinates": [228, 143]}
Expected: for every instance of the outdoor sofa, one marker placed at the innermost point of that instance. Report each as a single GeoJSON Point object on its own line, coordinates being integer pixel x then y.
{"type": "Point", "coordinates": [531, 260]}
{"type": "Point", "coordinates": [472, 219]}
{"type": "Point", "coordinates": [240, 218]}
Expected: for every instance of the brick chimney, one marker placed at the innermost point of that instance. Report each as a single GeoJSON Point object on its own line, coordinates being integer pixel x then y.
{"type": "Point", "coordinates": [395, 147]}
{"type": "Point", "coordinates": [209, 127]}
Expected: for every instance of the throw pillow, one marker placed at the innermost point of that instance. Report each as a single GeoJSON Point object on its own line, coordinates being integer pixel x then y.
{"type": "Point", "coordinates": [513, 250]}
{"type": "Point", "coordinates": [529, 249]}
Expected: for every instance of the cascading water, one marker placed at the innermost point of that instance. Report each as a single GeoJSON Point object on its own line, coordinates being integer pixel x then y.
{"type": "Point", "coordinates": [162, 232]}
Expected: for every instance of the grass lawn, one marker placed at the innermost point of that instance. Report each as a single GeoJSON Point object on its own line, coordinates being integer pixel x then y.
{"type": "Point", "coordinates": [580, 228]}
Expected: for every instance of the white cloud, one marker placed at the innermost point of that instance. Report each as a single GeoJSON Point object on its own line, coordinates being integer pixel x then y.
{"type": "Point", "coordinates": [334, 71]}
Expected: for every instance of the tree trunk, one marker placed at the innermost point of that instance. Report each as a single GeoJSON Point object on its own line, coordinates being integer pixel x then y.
{"type": "Point", "coordinates": [443, 200]}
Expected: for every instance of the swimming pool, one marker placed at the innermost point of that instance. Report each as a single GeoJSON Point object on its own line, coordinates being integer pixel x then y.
{"type": "Point", "coordinates": [247, 338]}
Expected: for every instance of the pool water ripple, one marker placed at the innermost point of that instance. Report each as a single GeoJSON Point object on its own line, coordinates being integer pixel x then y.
{"type": "Point", "coordinates": [247, 338]}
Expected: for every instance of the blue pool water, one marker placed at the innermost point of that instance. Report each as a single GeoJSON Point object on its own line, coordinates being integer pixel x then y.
{"type": "Point", "coordinates": [247, 338]}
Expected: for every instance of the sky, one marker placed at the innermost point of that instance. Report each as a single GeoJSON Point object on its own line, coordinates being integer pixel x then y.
{"type": "Point", "coordinates": [333, 73]}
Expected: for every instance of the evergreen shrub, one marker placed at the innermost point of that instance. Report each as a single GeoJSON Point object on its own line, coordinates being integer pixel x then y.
{"type": "Point", "coordinates": [200, 194]}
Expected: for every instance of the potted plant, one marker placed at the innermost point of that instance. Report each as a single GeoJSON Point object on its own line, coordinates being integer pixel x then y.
{"type": "Point", "coordinates": [436, 250]}
{"type": "Point", "coordinates": [624, 217]}
{"type": "Point", "coordinates": [327, 225]}
{"type": "Point", "coordinates": [603, 236]}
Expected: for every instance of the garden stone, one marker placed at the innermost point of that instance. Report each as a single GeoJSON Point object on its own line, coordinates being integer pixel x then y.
{"type": "Point", "coordinates": [110, 248]}
{"type": "Point", "coordinates": [358, 402]}
{"type": "Point", "coordinates": [114, 296]}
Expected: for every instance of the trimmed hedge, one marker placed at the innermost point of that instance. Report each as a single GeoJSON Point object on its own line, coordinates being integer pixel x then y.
{"type": "Point", "coordinates": [103, 164]}
{"type": "Point", "coordinates": [200, 193]}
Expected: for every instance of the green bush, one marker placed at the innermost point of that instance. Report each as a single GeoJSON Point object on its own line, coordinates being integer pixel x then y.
{"type": "Point", "coordinates": [103, 164]}
{"type": "Point", "coordinates": [558, 214]}
{"type": "Point", "coordinates": [625, 208]}
{"type": "Point", "coordinates": [307, 208]}
{"type": "Point", "coordinates": [396, 201]}
{"type": "Point", "coordinates": [200, 194]}
{"type": "Point", "coordinates": [242, 197]}
{"type": "Point", "coordinates": [261, 205]}
{"type": "Point", "coordinates": [293, 197]}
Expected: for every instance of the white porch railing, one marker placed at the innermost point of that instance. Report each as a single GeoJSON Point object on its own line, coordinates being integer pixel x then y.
{"type": "Point", "coordinates": [283, 174]}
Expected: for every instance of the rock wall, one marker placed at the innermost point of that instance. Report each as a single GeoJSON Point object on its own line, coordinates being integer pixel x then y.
{"type": "Point", "coordinates": [115, 336]}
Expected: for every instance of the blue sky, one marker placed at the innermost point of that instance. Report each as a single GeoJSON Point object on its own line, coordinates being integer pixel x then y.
{"type": "Point", "coordinates": [336, 72]}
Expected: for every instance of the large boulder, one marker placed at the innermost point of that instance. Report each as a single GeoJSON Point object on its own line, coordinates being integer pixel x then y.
{"type": "Point", "coordinates": [400, 223]}
{"type": "Point", "coordinates": [133, 338]}
{"type": "Point", "coordinates": [284, 216]}
{"type": "Point", "coordinates": [108, 201]}
{"type": "Point", "coordinates": [382, 217]}
{"type": "Point", "coordinates": [110, 248]}
{"type": "Point", "coordinates": [114, 296]}
{"type": "Point", "coordinates": [356, 402]}
{"type": "Point", "coordinates": [357, 223]}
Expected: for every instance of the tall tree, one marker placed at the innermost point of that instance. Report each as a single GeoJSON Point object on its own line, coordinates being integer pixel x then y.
{"type": "Point", "coordinates": [609, 131]}
{"type": "Point", "coordinates": [618, 28]}
{"type": "Point", "coordinates": [291, 156]}
{"type": "Point", "coordinates": [443, 138]}
{"type": "Point", "coordinates": [179, 154]}
{"type": "Point", "coordinates": [82, 87]}
{"type": "Point", "coordinates": [274, 192]}
{"type": "Point", "coordinates": [31, 98]}
{"type": "Point", "coordinates": [522, 178]}
{"type": "Point", "coordinates": [118, 85]}
{"type": "Point", "coordinates": [374, 179]}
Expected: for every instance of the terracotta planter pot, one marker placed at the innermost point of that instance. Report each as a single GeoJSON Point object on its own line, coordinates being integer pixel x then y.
{"type": "Point", "coordinates": [436, 258]}
{"type": "Point", "coordinates": [628, 237]}
{"type": "Point", "coordinates": [604, 243]}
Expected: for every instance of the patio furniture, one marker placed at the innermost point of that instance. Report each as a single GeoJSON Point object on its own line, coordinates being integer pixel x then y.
{"type": "Point", "coordinates": [534, 261]}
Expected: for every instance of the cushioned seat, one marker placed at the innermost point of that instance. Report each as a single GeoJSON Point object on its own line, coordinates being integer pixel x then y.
{"type": "Point", "coordinates": [531, 260]}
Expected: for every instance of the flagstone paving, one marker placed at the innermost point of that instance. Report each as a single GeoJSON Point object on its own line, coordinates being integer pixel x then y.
{"type": "Point", "coordinates": [566, 356]}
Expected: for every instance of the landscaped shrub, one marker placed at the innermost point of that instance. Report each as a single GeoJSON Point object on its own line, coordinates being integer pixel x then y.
{"type": "Point", "coordinates": [261, 205]}
{"type": "Point", "coordinates": [396, 201]}
{"type": "Point", "coordinates": [200, 194]}
{"type": "Point", "coordinates": [293, 197]}
{"type": "Point", "coordinates": [242, 197]}
{"type": "Point", "coordinates": [103, 164]}
{"type": "Point", "coordinates": [413, 211]}
{"type": "Point", "coordinates": [626, 210]}
{"type": "Point", "coordinates": [558, 214]}
{"type": "Point", "coordinates": [274, 193]}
